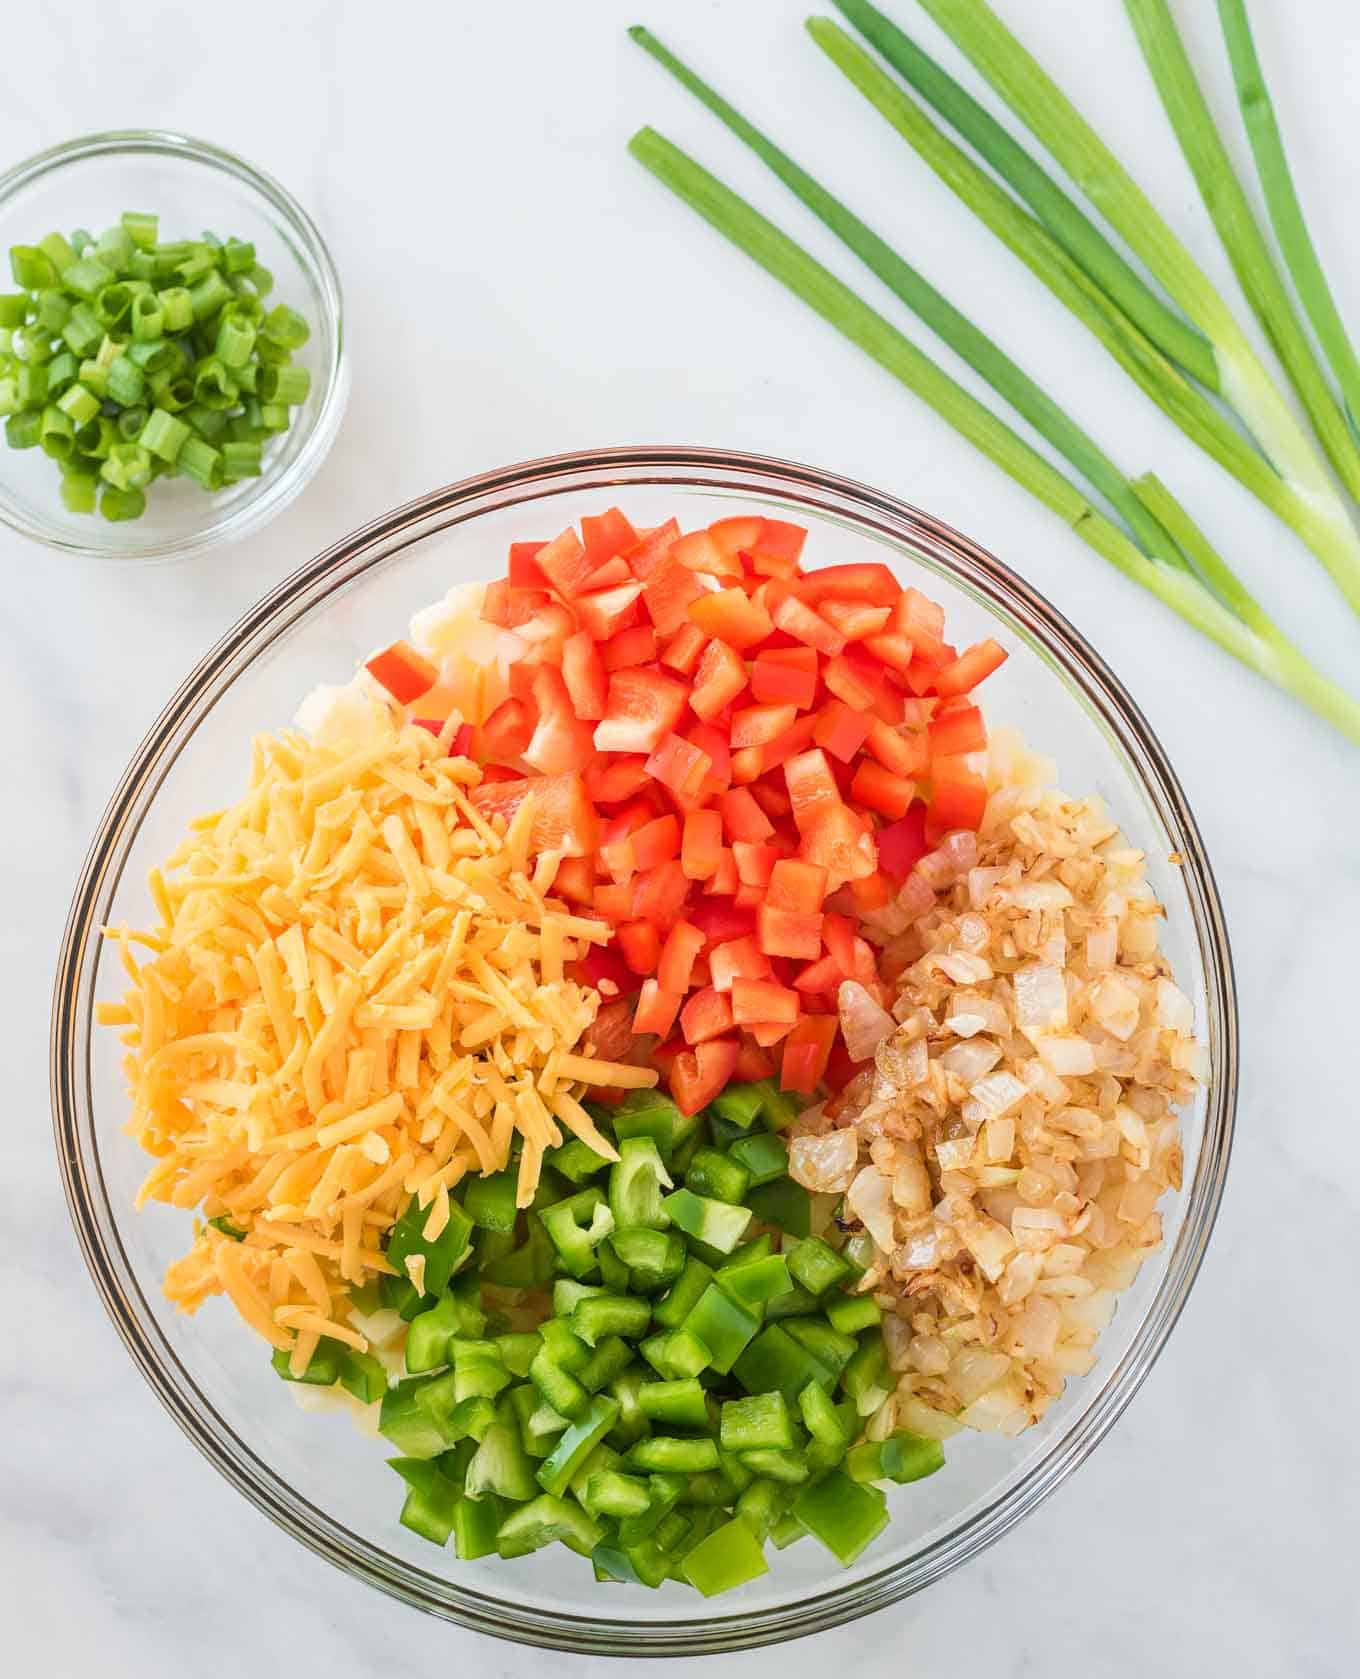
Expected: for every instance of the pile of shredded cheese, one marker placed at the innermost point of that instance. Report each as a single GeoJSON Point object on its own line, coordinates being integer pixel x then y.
{"type": "Point", "coordinates": [356, 996]}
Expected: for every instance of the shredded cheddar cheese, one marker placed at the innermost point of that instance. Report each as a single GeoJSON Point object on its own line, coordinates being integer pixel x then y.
{"type": "Point", "coordinates": [355, 997]}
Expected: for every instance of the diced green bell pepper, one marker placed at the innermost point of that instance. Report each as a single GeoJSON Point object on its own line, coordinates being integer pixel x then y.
{"type": "Point", "coordinates": [774, 1361]}
{"type": "Point", "coordinates": [323, 1368]}
{"type": "Point", "coordinates": [577, 1443]}
{"type": "Point", "coordinates": [442, 1256]}
{"type": "Point", "coordinates": [760, 1506]}
{"type": "Point", "coordinates": [490, 1201]}
{"type": "Point", "coordinates": [790, 1467]}
{"type": "Point", "coordinates": [576, 1227]}
{"type": "Point", "coordinates": [826, 1344]}
{"type": "Point", "coordinates": [654, 1257]}
{"type": "Point", "coordinates": [844, 1515]}
{"type": "Point", "coordinates": [577, 1161]}
{"type": "Point", "coordinates": [427, 1340]}
{"type": "Point", "coordinates": [631, 1424]}
{"type": "Point", "coordinates": [758, 1423]}
{"type": "Point", "coordinates": [614, 1494]}
{"type": "Point", "coordinates": [611, 1314]}
{"type": "Point", "coordinates": [901, 1458]}
{"type": "Point", "coordinates": [475, 1523]}
{"type": "Point", "coordinates": [866, 1375]}
{"type": "Point", "coordinates": [682, 1404]}
{"type": "Point", "coordinates": [669, 1454]}
{"type": "Point", "coordinates": [756, 1282]}
{"type": "Point", "coordinates": [501, 1465]}
{"type": "Point", "coordinates": [431, 1499]}
{"type": "Point", "coordinates": [557, 1387]}
{"type": "Point", "coordinates": [764, 1155]}
{"type": "Point", "coordinates": [543, 1520]}
{"type": "Point", "coordinates": [783, 1203]}
{"type": "Point", "coordinates": [717, 1175]}
{"type": "Point", "coordinates": [635, 1184]}
{"type": "Point", "coordinates": [408, 1424]}
{"type": "Point", "coordinates": [529, 1266]}
{"type": "Point", "coordinates": [517, 1350]}
{"type": "Point", "coordinates": [821, 1418]}
{"type": "Point", "coordinates": [815, 1266]}
{"type": "Point", "coordinates": [563, 1345]}
{"type": "Point", "coordinates": [363, 1375]}
{"type": "Point", "coordinates": [675, 1307]}
{"type": "Point", "coordinates": [612, 1356]}
{"type": "Point", "coordinates": [676, 1354]}
{"type": "Point", "coordinates": [478, 1369]}
{"type": "Point", "coordinates": [724, 1326]}
{"type": "Point", "coordinates": [852, 1312]}
{"type": "Point", "coordinates": [729, 1556]}
{"type": "Point", "coordinates": [714, 1223]}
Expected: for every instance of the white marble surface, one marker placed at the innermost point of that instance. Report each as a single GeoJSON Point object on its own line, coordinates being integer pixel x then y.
{"type": "Point", "coordinates": [516, 286]}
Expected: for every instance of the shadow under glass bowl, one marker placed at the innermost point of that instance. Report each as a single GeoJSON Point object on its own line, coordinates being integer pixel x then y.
{"type": "Point", "coordinates": [316, 1476]}
{"type": "Point", "coordinates": [192, 186]}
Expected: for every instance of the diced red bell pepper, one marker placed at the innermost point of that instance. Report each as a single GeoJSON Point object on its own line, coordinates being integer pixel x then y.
{"type": "Point", "coordinates": [773, 800]}
{"type": "Point", "coordinates": [608, 576]}
{"type": "Point", "coordinates": [747, 895]}
{"type": "Point", "coordinates": [500, 772]}
{"type": "Point", "coordinates": [657, 1008]}
{"type": "Point", "coordinates": [611, 780]}
{"type": "Point", "coordinates": [700, 552]}
{"type": "Point", "coordinates": [779, 537]}
{"type": "Point", "coordinates": [723, 882]}
{"type": "Point", "coordinates": [650, 552]}
{"type": "Point", "coordinates": [564, 818]}
{"type": "Point", "coordinates": [856, 620]}
{"type": "Point", "coordinates": [635, 646]}
{"type": "Point", "coordinates": [742, 817]}
{"type": "Point", "coordinates": [524, 571]}
{"type": "Point", "coordinates": [758, 725]}
{"type": "Point", "coordinates": [891, 649]}
{"type": "Point", "coordinates": [718, 679]}
{"type": "Point", "coordinates": [873, 892]}
{"type": "Point", "coordinates": [954, 733]}
{"type": "Point", "coordinates": [748, 764]}
{"type": "Point", "coordinates": [838, 935]}
{"type": "Point", "coordinates": [737, 535]}
{"type": "Point", "coordinates": [958, 795]}
{"type": "Point", "coordinates": [813, 789]}
{"type": "Point", "coordinates": [793, 741]}
{"type": "Point", "coordinates": [603, 969]}
{"type": "Point", "coordinates": [842, 843]}
{"type": "Point", "coordinates": [904, 753]}
{"type": "Point", "coordinates": [565, 563]}
{"type": "Point", "coordinates": [798, 620]}
{"type": "Point", "coordinates": [643, 706]}
{"type": "Point", "coordinates": [921, 621]}
{"type": "Point", "coordinates": [737, 959]}
{"type": "Point", "coordinates": [821, 978]}
{"type": "Point", "coordinates": [753, 1063]}
{"type": "Point", "coordinates": [873, 583]}
{"type": "Point", "coordinates": [509, 607]}
{"type": "Point", "coordinates": [609, 612]}
{"type": "Point", "coordinates": [668, 594]}
{"type": "Point", "coordinates": [920, 675]}
{"type": "Point", "coordinates": [701, 845]}
{"type": "Point", "coordinates": [659, 894]}
{"type": "Point", "coordinates": [875, 788]}
{"type": "Point", "coordinates": [641, 946]}
{"type": "Point", "coordinates": [841, 731]}
{"type": "Point", "coordinates": [605, 534]}
{"type": "Point", "coordinates": [755, 860]}
{"type": "Point", "coordinates": [901, 845]}
{"type": "Point", "coordinates": [707, 1014]}
{"type": "Point", "coordinates": [731, 616]}
{"type": "Point", "coordinates": [769, 565]}
{"type": "Point", "coordinates": [786, 932]}
{"type": "Point", "coordinates": [682, 652]}
{"type": "Point", "coordinates": [713, 742]}
{"type": "Point", "coordinates": [758, 1002]}
{"type": "Point", "coordinates": [547, 632]}
{"type": "Point", "coordinates": [840, 1069]}
{"type": "Point", "coordinates": [785, 676]}
{"type": "Point", "coordinates": [679, 765]}
{"type": "Point", "coordinates": [678, 956]}
{"type": "Point", "coordinates": [507, 731]}
{"type": "Point", "coordinates": [697, 1077]}
{"type": "Point", "coordinates": [560, 741]}
{"type": "Point", "coordinates": [575, 880]}
{"type": "Point", "coordinates": [584, 674]}
{"type": "Point", "coordinates": [858, 681]}
{"type": "Point", "coordinates": [807, 1049]}
{"type": "Point", "coordinates": [768, 1033]}
{"type": "Point", "coordinates": [719, 921]}
{"type": "Point", "coordinates": [614, 900]}
{"type": "Point", "coordinates": [796, 885]}
{"type": "Point", "coordinates": [405, 673]}
{"type": "Point", "coordinates": [656, 842]}
{"type": "Point", "coordinates": [616, 838]}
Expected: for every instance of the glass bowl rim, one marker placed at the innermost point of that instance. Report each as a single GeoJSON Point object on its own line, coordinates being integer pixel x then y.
{"type": "Point", "coordinates": [276, 492]}
{"type": "Point", "coordinates": [868, 511]}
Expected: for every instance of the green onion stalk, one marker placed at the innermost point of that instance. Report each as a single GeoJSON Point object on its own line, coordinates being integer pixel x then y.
{"type": "Point", "coordinates": [1242, 239]}
{"type": "Point", "coordinates": [1305, 498]}
{"type": "Point", "coordinates": [1235, 621]}
{"type": "Point", "coordinates": [1282, 201]}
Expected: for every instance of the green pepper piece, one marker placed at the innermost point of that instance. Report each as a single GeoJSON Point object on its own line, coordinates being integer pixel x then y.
{"type": "Point", "coordinates": [654, 1257]}
{"type": "Point", "coordinates": [676, 1354]}
{"type": "Point", "coordinates": [821, 1418]}
{"type": "Point", "coordinates": [431, 1500]}
{"type": "Point", "coordinates": [544, 1519]}
{"type": "Point", "coordinates": [363, 1375]}
{"type": "Point", "coordinates": [760, 1506]}
{"type": "Point", "coordinates": [576, 1161]}
{"type": "Point", "coordinates": [518, 1350]}
{"type": "Point", "coordinates": [577, 1443]}
{"type": "Point", "coordinates": [408, 1424]}
{"type": "Point", "coordinates": [442, 1256]}
{"type": "Point", "coordinates": [612, 1356]}
{"type": "Point", "coordinates": [501, 1465]}
{"type": "Point", "coordinates": [490, 1201]}
{"type": "Point", "coordinates": [529, 1266]}
{"type": "Point", "coordinates": [758, 1423]}
{"type": "Point", "coordinates": [775, 1361]}
{"type": "Point", "coordinates": [475, 1524]}
{"type": "Point", "coordinates": [729, 1556]}
{"type": "Point", "coordinates": [669, 1454]}
{"type": "Point", "coordinates": [844, 1515]}
{"type": "Point", "coordinates": [718, 1176]}
{"type": "Point", "coordinates": [575, 1240]}
{"type": "Point", "coordinates": [611, 1314]}
{"type": "Point", "coordinates": [635, 1184]}
{"type": "Point", "coordinates": [827, 1345]}
{"type": "Point", "coordinates": [764, 1156]}
{"type": "Point", "coordinates": [756, 1282]}
{"type": "Point", "coordinates": [323, 1368]}
{"type": "Point", "coordinates": [681, 1404]}
{"type": "Point", "coordinates": [784, 1204]}
{"type": "Point", "coordinates": [427, 1340]}
{"type": "Point", "coordinates": [714, 1223]}
{"type": "Point", "coordinates": [723, 1325]}
{"type": "Point", "coordinates": [852, 1312]}
{"type": "Point", "coordinates": [676, 1306]}
{"type": "Point", "coordinates": [815, 1266]}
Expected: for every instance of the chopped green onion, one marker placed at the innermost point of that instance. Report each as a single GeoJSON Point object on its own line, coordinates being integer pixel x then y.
{"type": "Point", "coordinates": [78, 492]}
{"type": "Point", "coordinates": [32, 268]}
{"type": "Point", "coordinates": [79, 404]}
{"type": "Point", "coordinates": [164, 435]}
{"type": "Point", "coordinates": [118, 505]}
{"type": "Point", "coordinates": [142, 229]}
{"type": "Point", "coordinates": [282, 326]}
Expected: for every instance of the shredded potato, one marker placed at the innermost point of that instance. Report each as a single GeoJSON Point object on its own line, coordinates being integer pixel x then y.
{"type": "Point", "coordinates": [356, 996]}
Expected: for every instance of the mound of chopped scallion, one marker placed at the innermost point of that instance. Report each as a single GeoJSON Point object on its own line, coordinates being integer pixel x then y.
{"type": "Point", "coordinates": [127, 358]}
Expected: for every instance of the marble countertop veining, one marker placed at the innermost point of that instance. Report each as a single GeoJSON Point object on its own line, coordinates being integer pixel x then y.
{"type": "Point", "coordinates": [516, 286]}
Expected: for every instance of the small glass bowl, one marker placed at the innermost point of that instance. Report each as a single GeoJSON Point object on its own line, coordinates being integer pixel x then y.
{"type": "Point", "coordinates": [316, 1476]}
{"type": "Point", "coordinates": [192, 186]}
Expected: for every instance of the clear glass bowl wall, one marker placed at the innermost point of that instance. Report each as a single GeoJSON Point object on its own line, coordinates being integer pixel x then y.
{"type": "Point", "coordinates": [316, 1476]}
